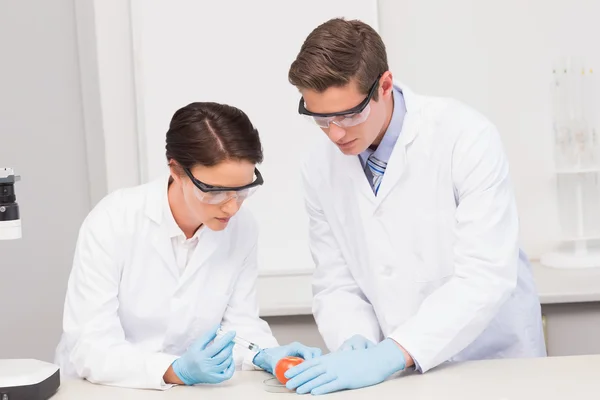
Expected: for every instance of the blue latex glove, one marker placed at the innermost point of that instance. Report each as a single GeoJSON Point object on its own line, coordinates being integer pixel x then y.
{"type": "Point", "coordinates": [202, 363]}
{"type": "Point", "coordinates": [357, 342]}
{"type": "Point", "coordinates": [347, 369]}
{"type": "Point", "coordinates": [268, 358]}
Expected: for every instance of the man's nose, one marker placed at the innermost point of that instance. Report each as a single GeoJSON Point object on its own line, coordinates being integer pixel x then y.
{"type": "Point", "coordinates": [336, 133]}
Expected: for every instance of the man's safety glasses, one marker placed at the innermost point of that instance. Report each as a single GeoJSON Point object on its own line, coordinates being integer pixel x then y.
{"type": "Point", "coordinates": [219, 194]}
{"type": "Point", "coordinates": [345, 119]}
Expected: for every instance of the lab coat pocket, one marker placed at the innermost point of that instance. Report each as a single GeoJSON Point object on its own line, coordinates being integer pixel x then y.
{"type": "Point", "coordinates": [203, 312]}
{"type": "Point", "coordinates": [209, 311]}
{"type": "Point", "coordinates": [211, 307]}
{"type": "Point", "coordinates": [434, 248]}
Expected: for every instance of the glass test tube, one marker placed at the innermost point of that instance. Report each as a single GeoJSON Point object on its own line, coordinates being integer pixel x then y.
{"type": "Point", "coordinates": [240, 341]}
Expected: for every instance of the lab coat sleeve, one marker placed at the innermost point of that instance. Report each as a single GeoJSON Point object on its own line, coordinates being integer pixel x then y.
{"type": "Point", "coordinates": [97, 348]}
{"type": "Point", "coordinates": [340, 307]}
{"type": "Point", "coordinates": [242, 312]}
{"type": "Point", "coordinates": [486, 253]}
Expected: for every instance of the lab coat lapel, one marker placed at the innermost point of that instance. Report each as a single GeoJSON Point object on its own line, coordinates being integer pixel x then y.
{"type": "Point", "coordinates": [208, 242]}
{"type": "Point", "coordinates": [158, 236]}
{"type": "Point", "coordinates": [353, 168]}
{"type": "Point", "coordinates": [397, 164]}
{"type": "Point", "coordinates": [163, 246]}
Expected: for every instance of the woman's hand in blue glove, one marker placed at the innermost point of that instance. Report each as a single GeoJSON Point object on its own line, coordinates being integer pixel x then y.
{"type": "Point", "coordinates": [204, 363]}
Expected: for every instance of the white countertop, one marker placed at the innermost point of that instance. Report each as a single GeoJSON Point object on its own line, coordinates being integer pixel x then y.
{"type": "Point", "coordinates": [289, 292]}
{"type": "Point", "coordinates": [576, 285]}
{"type": "Point", "coordinates": [553, 378]}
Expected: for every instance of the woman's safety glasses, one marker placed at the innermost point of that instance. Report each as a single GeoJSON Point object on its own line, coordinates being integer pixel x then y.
{"type": "Point", "coordinates": [218, 194]}
{"type": "Point", "coordinates": [345, 119]}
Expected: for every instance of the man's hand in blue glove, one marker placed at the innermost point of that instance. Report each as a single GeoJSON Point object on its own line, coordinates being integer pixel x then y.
{"type": "Point", "coordinates": [268, 358]}
{"type": "Point", "coordinates": [204, 363]}
{"type": "Point", "coordinates": [357, 342]}
{"type": "Point", "coordinates": [347, 369]}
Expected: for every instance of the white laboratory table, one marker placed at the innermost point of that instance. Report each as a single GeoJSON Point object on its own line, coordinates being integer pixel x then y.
{"type": "Point", "coordinates": [563, 286]}
{"type": "Point", "coordinates": [289, 292]}
{"type": "Point", "coordinates": [552, 378]}
{"type": "Point", "coordinates": [571, 309]}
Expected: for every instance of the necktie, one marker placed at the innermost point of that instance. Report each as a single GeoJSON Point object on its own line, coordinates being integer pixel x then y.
{"type": "Point", "coordinates": [377, 168]}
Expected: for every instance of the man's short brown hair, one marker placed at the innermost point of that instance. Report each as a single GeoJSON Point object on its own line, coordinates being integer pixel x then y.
{"type": "Point", "coordinates": [336, 52]}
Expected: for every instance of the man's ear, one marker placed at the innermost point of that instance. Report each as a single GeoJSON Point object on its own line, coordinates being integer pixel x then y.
{"type": "Point", "coordinates": [386, 84]}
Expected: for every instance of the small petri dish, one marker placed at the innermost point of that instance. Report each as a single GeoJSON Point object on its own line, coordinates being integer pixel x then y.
{"type": "Point", "coordinates": [272, 385]}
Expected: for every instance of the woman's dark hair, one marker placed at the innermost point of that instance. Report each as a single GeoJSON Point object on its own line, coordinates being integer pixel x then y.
{"type": "Point", "coordinates": [209, 133]}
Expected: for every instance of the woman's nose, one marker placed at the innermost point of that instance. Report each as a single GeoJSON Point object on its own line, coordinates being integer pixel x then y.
{"type": "Point", "coordinates": [231, 206]}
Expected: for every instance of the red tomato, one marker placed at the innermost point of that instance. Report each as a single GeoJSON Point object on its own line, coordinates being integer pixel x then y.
{"type": "Point", "coordinates": [284, 364]}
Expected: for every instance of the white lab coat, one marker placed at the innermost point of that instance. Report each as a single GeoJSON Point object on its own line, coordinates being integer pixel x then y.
{"type": "Point", "coordinates": [129, 313]}
{"type": "Point", "coordinates": [433, 261]}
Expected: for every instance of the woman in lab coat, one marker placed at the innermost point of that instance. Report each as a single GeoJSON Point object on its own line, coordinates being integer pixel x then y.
{"type": "Point", "coordinates": [159, 267]}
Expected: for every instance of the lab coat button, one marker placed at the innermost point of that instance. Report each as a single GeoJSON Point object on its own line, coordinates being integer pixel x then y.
{"type": "Point", "coordinates": [387, 270]}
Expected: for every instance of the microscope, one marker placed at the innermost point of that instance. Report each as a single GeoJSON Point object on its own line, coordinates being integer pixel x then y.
{"type": "Point", "coordinates": [10, 220]}
{"type": "Point", "coordinates": [21, 379]}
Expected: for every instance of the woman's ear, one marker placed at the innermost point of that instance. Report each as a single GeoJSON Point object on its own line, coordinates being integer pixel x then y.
{"type": "Point", "coordinates": [174, 171]}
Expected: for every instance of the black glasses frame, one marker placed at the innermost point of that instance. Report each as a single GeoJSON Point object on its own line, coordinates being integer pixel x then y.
{"type": "Point", "coordinates": [206, 188]}
{"type": "Point", "coordinates": [354, 110]}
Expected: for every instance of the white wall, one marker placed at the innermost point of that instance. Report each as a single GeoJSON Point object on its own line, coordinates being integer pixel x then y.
{"type": "Point", "coordinates": [498, 57]}
{"type": "Point", "coordinates": [105, 53]}
{"type": "Point", "coordinates": [41, 136]}
{"type": "Point", "coordinates": [239, 53]}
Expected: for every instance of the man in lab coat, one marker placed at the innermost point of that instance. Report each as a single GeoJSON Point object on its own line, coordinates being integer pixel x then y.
{"type": "Point", "coordinates": [413, 223]}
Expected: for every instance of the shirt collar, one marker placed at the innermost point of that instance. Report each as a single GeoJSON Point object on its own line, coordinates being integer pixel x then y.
{"type": "Point", "coordinates": [168, 222]}
{"type": "Point", "coordinates": [391, 135]}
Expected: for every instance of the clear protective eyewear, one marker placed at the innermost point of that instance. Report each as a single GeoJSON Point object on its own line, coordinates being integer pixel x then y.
{"type": "Point", "coordinates": [210, 194]}
{"type": "Point", "coordinates": [345, 119]}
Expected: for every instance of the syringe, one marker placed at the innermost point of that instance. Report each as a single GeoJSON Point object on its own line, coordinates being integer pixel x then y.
{"type": "Point", "coordinates": [239, 341]}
